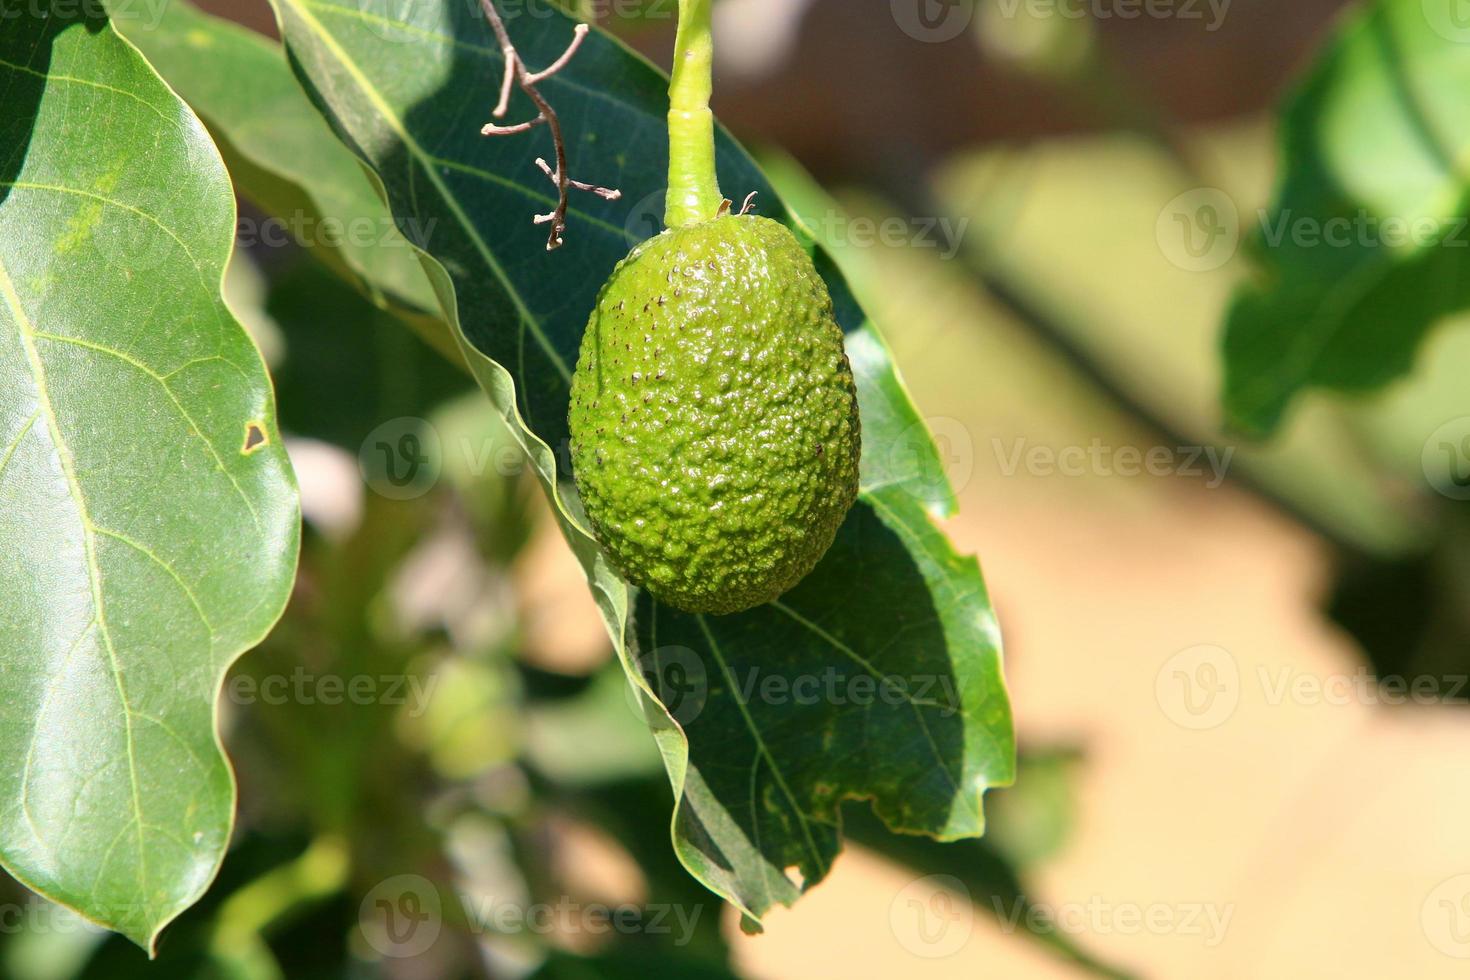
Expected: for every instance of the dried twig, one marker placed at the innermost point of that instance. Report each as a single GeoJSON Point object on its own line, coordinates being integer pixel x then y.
{"type": "Point", "coordinates": [516, 72]}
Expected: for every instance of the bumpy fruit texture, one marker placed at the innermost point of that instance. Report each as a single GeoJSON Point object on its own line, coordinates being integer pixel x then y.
{"type": "Point", "coordinates": [714, 419]}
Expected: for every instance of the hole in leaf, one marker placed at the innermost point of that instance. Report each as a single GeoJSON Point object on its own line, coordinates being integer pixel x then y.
{"type": "Point", "coordinates": [255, 437]}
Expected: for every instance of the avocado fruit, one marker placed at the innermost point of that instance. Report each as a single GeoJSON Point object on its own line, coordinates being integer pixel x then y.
{"type": "Point", "coordinates": [715, 437]}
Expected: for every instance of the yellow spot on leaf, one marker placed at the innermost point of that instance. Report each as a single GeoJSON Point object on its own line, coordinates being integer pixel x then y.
{"type": "Point", "coordinates": [79, 227]}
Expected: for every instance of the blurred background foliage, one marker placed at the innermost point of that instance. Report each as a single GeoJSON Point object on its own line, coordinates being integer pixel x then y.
{"type": "Point", "coordinates": [1027, 160]}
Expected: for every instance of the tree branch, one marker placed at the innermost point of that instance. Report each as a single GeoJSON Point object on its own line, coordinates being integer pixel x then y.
{"type": "Point", "coordinates": [516, 73]}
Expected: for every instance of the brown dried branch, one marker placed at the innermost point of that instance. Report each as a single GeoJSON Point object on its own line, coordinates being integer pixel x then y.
{"type": "Point", "coordinates": [517, 73]}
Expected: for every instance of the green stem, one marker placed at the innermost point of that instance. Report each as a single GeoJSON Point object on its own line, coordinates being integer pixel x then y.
{"type": "Point", "coordinates": [694, 190]}
{"type": "Point", "coordinates": [318, 873]}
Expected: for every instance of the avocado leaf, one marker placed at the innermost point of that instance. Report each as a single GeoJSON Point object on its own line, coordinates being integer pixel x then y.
{"type": "Point", "coordinates": [879, 677]}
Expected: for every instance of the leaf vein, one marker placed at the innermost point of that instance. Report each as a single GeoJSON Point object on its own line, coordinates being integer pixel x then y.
{"type": "Point", "coordinates": [760, 744]}
{"type": "Point", "coordinates": [162, 382]}
{"type": "Point", "coordinates": [89, 545]}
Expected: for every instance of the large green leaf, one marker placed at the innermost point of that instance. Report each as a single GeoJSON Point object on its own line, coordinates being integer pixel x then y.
{"type": "Point", "coordinates": [148, 515]}
{"type": "Point", "coordinates": [283, 156]}
{"type": "Point", "coordinates": [1366, 246]}
{"type": "Point", "coordinates": [758, 776]}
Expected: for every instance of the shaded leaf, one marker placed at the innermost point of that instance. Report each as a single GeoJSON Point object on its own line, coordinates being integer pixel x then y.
{"type": "Point", "coordinates": [758, 778]}
{"type": "Point", "coordinates": [283, 156]}
{"type": "Point", "coordinates": [148, 515]}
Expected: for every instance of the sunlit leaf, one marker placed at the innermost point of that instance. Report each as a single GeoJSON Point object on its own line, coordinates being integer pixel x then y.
{"type": "Point", "coordinates": [148, 515]}
{"type": "Point", "coordinates": [1367, 244]}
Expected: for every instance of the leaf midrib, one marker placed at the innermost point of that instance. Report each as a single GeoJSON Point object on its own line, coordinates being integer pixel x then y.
{"type": "Point", "coordinates": [762, 750]}
{"type": "Point", "coordinates": [89, 547]}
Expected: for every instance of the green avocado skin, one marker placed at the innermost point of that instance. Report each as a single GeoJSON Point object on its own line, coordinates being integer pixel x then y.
{"type": "Point", "coordinates": [714, 419]}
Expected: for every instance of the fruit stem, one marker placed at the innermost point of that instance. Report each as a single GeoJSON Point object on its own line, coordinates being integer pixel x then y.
{"type": "Point", "coordinates": [694, 189]}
